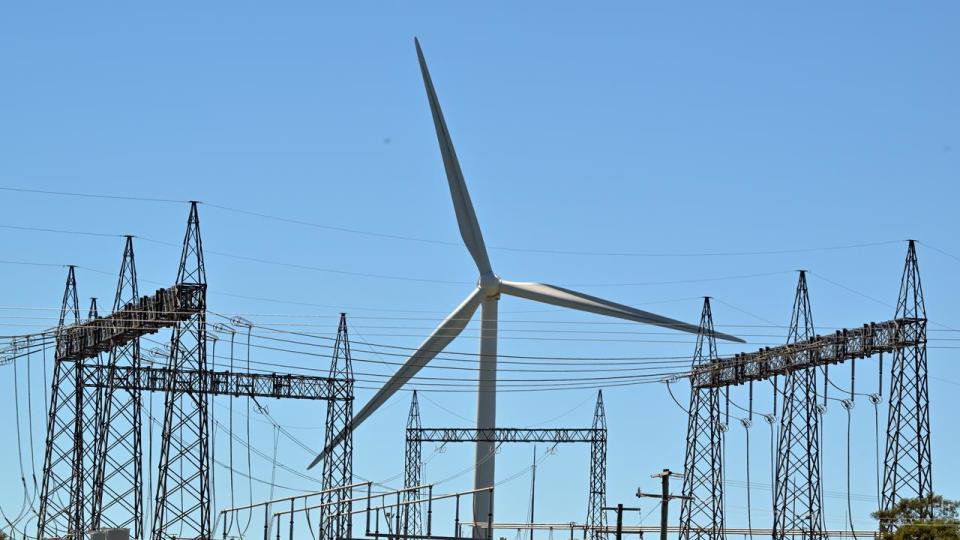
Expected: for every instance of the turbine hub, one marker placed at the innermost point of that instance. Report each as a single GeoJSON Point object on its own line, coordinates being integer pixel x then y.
{"type": "Point", "coordinates": [489, 283]}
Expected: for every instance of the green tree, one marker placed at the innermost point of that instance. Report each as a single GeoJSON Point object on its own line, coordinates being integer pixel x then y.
{"type": "Point", "coordinates": [922, 518]}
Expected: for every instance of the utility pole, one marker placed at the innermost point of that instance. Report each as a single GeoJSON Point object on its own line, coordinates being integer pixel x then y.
{"type": "Point", "coordinates": [619, 509]}
{"type": "Point", "coordinates": [665, 497]}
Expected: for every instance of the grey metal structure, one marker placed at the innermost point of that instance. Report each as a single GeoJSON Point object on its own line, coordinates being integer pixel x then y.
{"type": "Point", "coordinates": [907, 468]}
{"type": "Point", "coordinates": [62, 510]}
{"type": "Point", "coordinates": [797, 491]}
{"type": "Point", "coordinates": [595, 436]}
{"type": "Point", "coordinates": [701, 511]}
{"type": "Point", "coordinates": [907, 461]}
{"type": "Point", "coordinates": [118, 471]}
{"type": "Point", "coordinates": [413, 470]}
{"type": "Point", "coordinates": [486, 296]}
{"type": "Point", "coordinates": [183, 480]}
{"type": "Point", "coordinates": [335, 522]}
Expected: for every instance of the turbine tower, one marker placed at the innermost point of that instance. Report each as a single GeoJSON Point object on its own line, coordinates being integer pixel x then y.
{"type": "Point", "coordinates": [486, 296]}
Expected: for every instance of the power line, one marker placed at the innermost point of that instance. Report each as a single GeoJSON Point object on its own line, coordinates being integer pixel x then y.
{"type": "Point", "coordinates": [408, 238]}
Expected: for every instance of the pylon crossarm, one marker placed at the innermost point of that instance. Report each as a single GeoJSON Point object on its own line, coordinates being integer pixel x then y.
{"type": "Point", "coordinates": [163, 309]}
{"type": "Point", "coordinates": [843, 345]}
{"type": "Point", "coordinates": [218, 383]}
{"type": "Point", "coordinates": [505, 435]}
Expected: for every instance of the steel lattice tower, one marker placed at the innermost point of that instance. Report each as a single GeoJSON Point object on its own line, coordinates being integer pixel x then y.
{"type": "Point", "coordinates": [906, 465]}
{"type": "Point", "coordinates": [183, 480]}
{"type": "Point", "coordinates": [118, 486]}
{"type": "Point", "coordinates": [89, 405]}
{"type": "Point", "coordinates": [413, 470]}
{"type": "Point", "coordinates": [798, 494]}
{"type": "Point", "coordinates": [701, 513]}
{"type": "Point", "coordinates": [335, 520]}
{"type": "Point", "coordinates": [596, 516]}
{"type": "Point", "coordinates": [62, 510]}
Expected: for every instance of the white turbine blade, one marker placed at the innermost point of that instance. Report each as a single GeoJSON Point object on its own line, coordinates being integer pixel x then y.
{"type": "Point", "coordinates": [466, 217]}
{"type": "Point", "coordinates": [449, 329]}
{"type": "Point", "coordinates": [558, 296]}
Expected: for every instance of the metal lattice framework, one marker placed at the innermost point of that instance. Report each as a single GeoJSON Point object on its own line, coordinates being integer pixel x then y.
{"type": "Point", "coordinates": [817, 351]}
{"type": "Point", "coordinates": [89, 404]}
{"type": "Point", "coordinates": [701, 511]}
{"type": "Point", "coordinates": [907, 461]}
{"type": "Point", "coordinates": [798, 494]}
{"type": "Point", "coordinates": [62, 513]}
{"type": "Point", "coordinates": [595, 436]}
{"type": "Point", "coordinates": [183, 480]}
{"type": "Point", "coordinates": [215, 383]}
{"type": "Point", "coordinates": [596, 515]}
{"type": "Point", "coordinates": [118, 462]}
{"type": "Point", "coordinates": [93, 463]}
{"type": "Point", "coordinates": [413, 470]}
{"type": "Point", "coordinates": [335, 522]}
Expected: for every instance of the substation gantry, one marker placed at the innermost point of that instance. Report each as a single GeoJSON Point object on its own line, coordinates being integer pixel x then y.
{"type": "Point", "coordinates": [595, 436]}
{"type": "Point", "coordinates": [798, 493]}
{"type": "Point", "coordinates": [93, 463]}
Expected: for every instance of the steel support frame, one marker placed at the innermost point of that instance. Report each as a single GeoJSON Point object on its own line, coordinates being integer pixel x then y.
{"type": "Point", "coordinates": [702, 510]}
{"type": "Point", "coordinates": [335, 522]}
{"type": "Point", "coordinates": [907, 471]}
{"type": "Point", "coordinates": [595, 436]}
{"type": "Point", "coordinates": [798, 492]}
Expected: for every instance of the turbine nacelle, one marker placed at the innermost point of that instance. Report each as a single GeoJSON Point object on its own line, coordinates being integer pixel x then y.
{"type": "Point", "coordinates": [489, 284]}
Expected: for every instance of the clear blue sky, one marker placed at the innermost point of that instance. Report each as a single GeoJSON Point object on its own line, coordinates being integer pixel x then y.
{"type": "Point", "coordinates": [639, 128]}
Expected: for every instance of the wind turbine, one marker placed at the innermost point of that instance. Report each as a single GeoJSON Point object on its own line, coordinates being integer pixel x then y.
{"type": "Point", "coordinates": [485, 296]}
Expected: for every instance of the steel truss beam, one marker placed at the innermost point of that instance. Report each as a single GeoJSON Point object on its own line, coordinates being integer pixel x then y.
{"type": "Point", "coordinates": [216, 383]}
{"type": "Point", "coordinates": [506, 435]}
{"type": "Point", "coordinates": [165, 309]}
{"type": "Point", "coordinates": [816, 351]}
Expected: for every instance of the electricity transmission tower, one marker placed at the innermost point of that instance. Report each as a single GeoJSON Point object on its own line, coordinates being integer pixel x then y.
{"type": "Point", "coordinates": [413, 470]}
{"type": "Point", "coordinates": [906, 465]}
{"type": "Point", "coordinates": [701, 511]}
{"type": "Point", "coordinates": [118, 471]}
{"type": "Point", "coordinates": [92, 474]}
{"type": "Point", "coordinates": [596, 516]}
{"type": "Point", "coordinates": [183, 483]}
{"type": "Point", "coordinates": [798, 495]}
{"type": "Point", "coordinates": [61, 499]}
{"type": "Point", "coordinates": [335, 521]}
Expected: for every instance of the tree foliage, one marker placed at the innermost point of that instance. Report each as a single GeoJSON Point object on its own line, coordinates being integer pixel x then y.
{"type": "Point", "coordinates": [922, 518]}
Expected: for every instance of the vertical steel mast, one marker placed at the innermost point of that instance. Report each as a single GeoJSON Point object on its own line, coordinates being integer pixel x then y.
{"type": "Point", "coordinates": [701, 509]}
{"type": "Point", "coordinates": [798, 495]}
{"type": "Point", "coordinates": [183, 481]}
{"type": "Point", "coordinates": [907, 461]}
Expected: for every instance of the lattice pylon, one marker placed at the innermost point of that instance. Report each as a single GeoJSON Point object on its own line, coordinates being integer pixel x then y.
{"type": "Point", "coordinates": [91, 401]}
{"type": "Point", "coordinates": [413, 470]}
{"type": "Point", "coordinates": [907, 461]}
{"type": "Point", "coordinates": [798, 492]}
{"type": "Point", "coordinates": [118, 486]}
{"type": "Point", "coordinates": [701, 513]}
{"type": "Point", "coordinates": [183, 501]}
{"type": "Point", "coordinates": [62, 511]}
{"type": "Point", "coordinates": [596, 516]}
{"type": "Point", "coordinates": [335, 518]}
